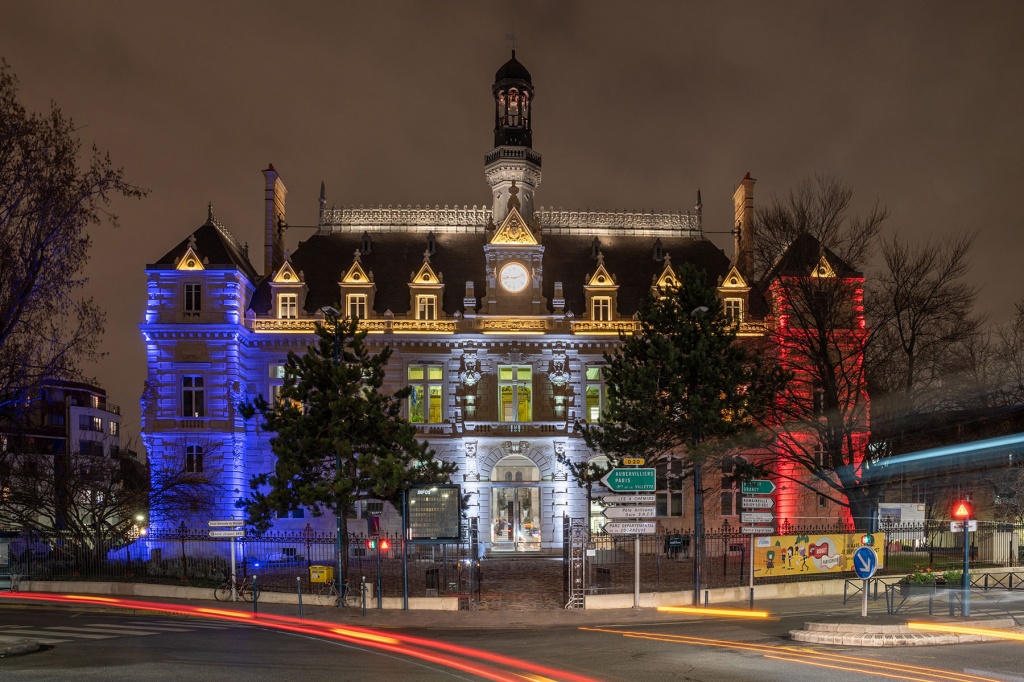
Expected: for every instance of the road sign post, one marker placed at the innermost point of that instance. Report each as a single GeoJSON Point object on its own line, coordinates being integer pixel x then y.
{"type": "Point", "coordinates": [751, 490]}
{"type": "Point", "coordinates": [865, 563]}
{"type": "Point", "coordinates": [234, 534]}
{"type": "Point", "coordinates": [963, 511]}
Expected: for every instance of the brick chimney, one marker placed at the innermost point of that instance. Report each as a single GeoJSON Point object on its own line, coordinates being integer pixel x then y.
{"type": "Point", "coordinates": [743, 225]}
{"type": "Point", "coordinates": [275, 223]}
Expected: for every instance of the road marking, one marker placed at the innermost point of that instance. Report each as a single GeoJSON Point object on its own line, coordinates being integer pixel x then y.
{"type": "Point", "coordinates": [118, 630]}
{"type": "Point", "coordinates": [58, 632]}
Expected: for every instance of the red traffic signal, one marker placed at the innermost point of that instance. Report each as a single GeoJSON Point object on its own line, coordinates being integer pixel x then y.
{"type": "Point", "coordinates": [963, 510]}
{"type": "Point", "coordinates": [385, 545]}
{"type": "Point", "coordinates": [378, 543]}
{"type": "Point", "coordinates": [371, 543]}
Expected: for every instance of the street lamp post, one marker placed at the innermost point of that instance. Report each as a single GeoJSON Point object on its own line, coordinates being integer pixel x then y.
{"type": "Point", "coordinates": [334, 315]}
{"type": "Point", "coordinates": [698, 494]}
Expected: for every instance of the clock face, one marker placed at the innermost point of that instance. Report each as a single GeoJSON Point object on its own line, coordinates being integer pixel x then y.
{"type": "Point", "coordinates": [514, 278]}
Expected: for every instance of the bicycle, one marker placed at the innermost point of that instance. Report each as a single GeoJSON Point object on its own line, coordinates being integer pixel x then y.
{"type": "Point", "coordinates": [327, 594]}
{"type": "Point", "coordinates": [246, 589]}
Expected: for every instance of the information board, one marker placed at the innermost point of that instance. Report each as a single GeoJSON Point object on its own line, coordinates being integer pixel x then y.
{"type": "Point", "coordinates": [434, 512]}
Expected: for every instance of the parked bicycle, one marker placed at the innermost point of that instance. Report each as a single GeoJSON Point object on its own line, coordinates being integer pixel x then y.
{"type": "Point", "coordinates": [246, 588]}
{"type": "Point", "coordinates": [328, 595]}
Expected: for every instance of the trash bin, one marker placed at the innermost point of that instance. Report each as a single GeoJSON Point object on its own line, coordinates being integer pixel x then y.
{"type": "Point", "coordinates": [321, 574]}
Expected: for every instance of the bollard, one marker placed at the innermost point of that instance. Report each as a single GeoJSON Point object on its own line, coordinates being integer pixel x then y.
{"type": "Point", "coordinates": [751, 598]}
{"type": "Point", "coordinates": [705, 598]}
{"type": "Point", "coordinates": [362, 594]}
{"type": "Point", "coordinates": [255, 595]}
{"type": "Point", "coordinates": [298, 586]}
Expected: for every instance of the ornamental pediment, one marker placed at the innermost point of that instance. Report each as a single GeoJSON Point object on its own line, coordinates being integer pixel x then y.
{"type": "Point", "coordinates": [514, 230]}
{"type": "Point", "coordinates": [191, 259]}
{"type": "Point", "coordinates": [287, 275]}
{"type": "Point", "coordinates": [823, 269]}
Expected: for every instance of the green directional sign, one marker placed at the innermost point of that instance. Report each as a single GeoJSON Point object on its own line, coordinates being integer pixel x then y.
{"type": "Point", "coordinates": [629, 480]}
{"type": "Point", "coordinates": [758, 486]}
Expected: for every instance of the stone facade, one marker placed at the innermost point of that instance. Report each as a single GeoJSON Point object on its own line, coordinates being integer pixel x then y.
{"type": "Point", "coordinates": [499, 317]}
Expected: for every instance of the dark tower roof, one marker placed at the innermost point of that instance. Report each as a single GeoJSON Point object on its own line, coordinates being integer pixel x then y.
{"type": "Point", "coordinates": [512, 70]}
{"type": "Point", "coordinates": [513, 104]}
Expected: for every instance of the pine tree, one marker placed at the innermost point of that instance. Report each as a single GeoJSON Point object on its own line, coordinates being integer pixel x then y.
{"type": "Point", "coordinates": [338, 437]}
{"type": "Point", "coordinates": [682, 388]}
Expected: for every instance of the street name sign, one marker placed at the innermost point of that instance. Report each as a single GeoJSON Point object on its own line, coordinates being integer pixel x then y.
{"type": "Point", "coordinates": [958, 526]}
{"type": "Point", "coordinates": [633, 461]}
{"type": "Point", "coordinates": [757, 503]}
{"type": "Point", "coordinates": [634, 498]}
{"type": "Point", "coordinates": [865, 562]}
{"type": "Point", "coordinates": [757, 517]}
{"type": "Point", "coordinates": [227, 533]}
{"type": "Point", "coordinates": [759, 486]}
{"type": "Point", "coordinates": [226, 523]}
{"type": "Point", "coordinates": [629, 513]}
{"type": "Point", "coordinates": [629, 480]}
{"type": "Point", "coordinates": [757, 530]}
{"type": "Point", "coordinates": [627, 528]}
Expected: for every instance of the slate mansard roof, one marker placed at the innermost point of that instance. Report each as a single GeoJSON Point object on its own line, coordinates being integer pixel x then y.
{"type": "Point", "coordinates": [216, 245]}
{"type": "Point", "coordinates": [459, 258]}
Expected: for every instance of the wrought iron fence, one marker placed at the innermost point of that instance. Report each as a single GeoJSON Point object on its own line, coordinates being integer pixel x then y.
{"type": "Point", "coordinates": [190, 557]}
{"type": "Point", "coordinates": [666, 559]}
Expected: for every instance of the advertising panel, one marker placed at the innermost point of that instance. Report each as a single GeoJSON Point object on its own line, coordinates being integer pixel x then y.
{"type": "Point", "coordinates": [781, 555]}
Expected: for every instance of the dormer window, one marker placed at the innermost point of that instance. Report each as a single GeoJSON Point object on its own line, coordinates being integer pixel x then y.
{"type": "Point", "coordinates": [733, 308]}
{"type": "Point", "coordinates": [355, 304]}
{"type": "Point", "coordinates": [601, 308]}
{"type": "Point", "coordinates": [426, 307]}
{"type": "Point", "coordinates": [287, 306]}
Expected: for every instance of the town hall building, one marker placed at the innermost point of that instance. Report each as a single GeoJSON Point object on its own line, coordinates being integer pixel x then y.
{"type": "Point", "coordinates": [498, 318]}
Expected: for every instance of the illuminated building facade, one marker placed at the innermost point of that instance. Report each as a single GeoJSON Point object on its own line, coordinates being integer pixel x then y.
{"type": "Point", "coordinates": [498, 318]}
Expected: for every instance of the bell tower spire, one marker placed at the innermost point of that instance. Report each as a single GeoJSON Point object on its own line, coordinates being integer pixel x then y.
{"type": "Point", "coordinates": [512, 161]}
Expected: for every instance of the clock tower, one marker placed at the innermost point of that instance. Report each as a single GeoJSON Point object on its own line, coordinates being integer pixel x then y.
{"type": "Point", "coordinates": [512, 160]}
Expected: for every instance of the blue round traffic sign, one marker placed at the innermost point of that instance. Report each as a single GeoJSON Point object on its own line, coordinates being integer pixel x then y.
{"type": "Point", "coordinates": [865, 562]}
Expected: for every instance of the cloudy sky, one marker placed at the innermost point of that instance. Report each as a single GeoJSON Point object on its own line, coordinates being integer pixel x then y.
{"type": "Point", "coordinates": [916, 105]}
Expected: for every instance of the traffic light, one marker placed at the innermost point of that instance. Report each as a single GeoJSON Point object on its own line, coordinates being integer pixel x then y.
{"type": "Point", "coordinates": [384, 545]}
{"type": "Point", "coordinates": [867, 539]}
{"type": "Point", "coordinates": [378, 543]}
{"type": "Point", "coordinates": [371, 543]}
{"type": "Point", "coordinates": [963, 510]}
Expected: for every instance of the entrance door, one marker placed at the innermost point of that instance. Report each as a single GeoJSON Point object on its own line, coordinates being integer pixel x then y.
{"type": "Point", "coordinates": [515, 514]}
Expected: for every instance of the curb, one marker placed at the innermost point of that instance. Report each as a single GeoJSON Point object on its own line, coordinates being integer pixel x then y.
{"type": "Point", "coordinates": [16, 647]}
{"type": "Point", "coordinates": [847, 634]}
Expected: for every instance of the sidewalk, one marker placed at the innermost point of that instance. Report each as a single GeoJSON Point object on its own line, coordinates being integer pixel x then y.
{"type": "Point", "coordinates": [821, 618]}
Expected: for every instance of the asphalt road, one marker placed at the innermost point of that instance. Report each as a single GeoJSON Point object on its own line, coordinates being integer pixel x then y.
{"type": "Point", "coordinates": [102, 645]}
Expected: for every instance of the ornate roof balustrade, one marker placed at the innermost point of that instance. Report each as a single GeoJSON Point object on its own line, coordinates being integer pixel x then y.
{"type": "Point", "coordinates": [635, 223]}
{"type": "Point", "coordinates": [408, 219]}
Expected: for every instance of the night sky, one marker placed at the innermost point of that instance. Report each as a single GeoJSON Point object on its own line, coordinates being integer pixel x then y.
{"type": "Point", "coordinates": [916, 105]}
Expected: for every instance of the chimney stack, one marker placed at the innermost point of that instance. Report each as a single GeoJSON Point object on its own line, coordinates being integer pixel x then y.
{"type": "Point", "coordinates": [275, 222]}
{"type": "Point", "coordinates": [743, 225]}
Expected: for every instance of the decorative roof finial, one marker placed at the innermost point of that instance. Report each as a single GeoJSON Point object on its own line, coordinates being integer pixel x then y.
{"type": "Point", "coordinates": [357, 256]}
{"type": "Point", "coordinates": [209, 212]}
{"type": "Point", "coordinates": [426, 257]}
{"type": "Point", "coordinates": [323, 196]}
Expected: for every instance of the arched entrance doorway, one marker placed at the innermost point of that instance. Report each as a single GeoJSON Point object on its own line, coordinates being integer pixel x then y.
{"type": "Point", "coordinates": [515, 505]}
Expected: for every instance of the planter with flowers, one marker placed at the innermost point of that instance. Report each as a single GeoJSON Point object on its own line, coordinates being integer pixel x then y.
{"type": "Point", "coordinates": [921, 581]}
{"type": "Point", "coordinates": [952, 579]}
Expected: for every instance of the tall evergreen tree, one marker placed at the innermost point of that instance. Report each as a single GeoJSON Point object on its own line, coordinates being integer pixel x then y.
{"type": "Point", "coordinates": [682, 388]}
{"type": "Point", "coordinates": [338, 437]}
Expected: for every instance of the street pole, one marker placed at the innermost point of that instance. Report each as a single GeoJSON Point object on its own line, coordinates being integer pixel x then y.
{"type": "Point", "coordinates": [328, 311]}
{"type": "Point", "coordinates": [636, 571]}
{"type": "Point", "coordinates": [698, 529]}
{"type": "Point", "coordinates": [965, 584]}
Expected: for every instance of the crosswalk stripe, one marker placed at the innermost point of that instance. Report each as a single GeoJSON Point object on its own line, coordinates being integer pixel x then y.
{"type": "Point", "coordinates": [162, 628]}
{"type": "Point", "coordinates": [114, 629]}
{"type": "Point", "coordinates": [58, 632]}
